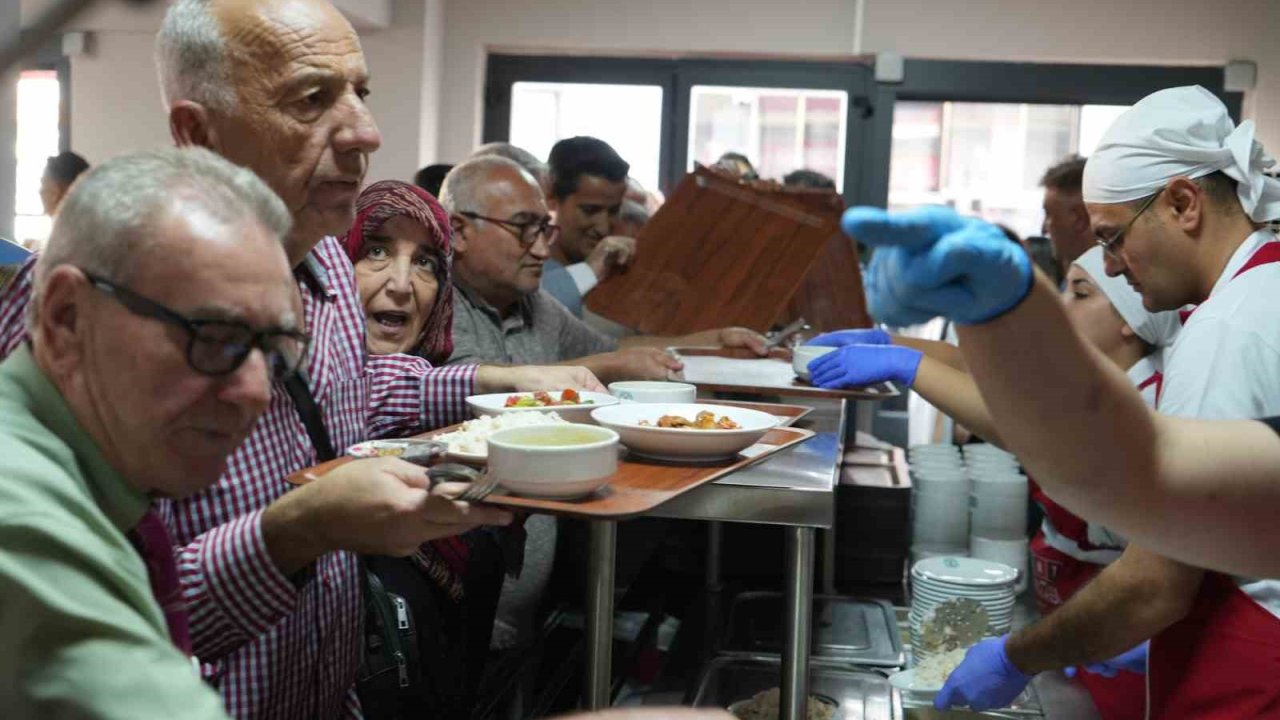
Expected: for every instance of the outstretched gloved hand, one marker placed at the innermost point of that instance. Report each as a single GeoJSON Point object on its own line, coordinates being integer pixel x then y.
{"type": "Point", "coordinates": [930, 261]}
{"type": "Point", "coordinates": [861, 365]}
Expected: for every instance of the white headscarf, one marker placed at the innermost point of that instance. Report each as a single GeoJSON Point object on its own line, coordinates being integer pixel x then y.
{"type": "Point", "coordinates": [1157, 328]}
{"type": "Point", "coordinates": [1180, 132]}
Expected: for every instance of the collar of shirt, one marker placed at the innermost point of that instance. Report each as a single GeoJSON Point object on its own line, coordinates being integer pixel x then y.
{"type": "Point", "coordinates": [1240, 257]}
{"type": "Point", "coordinates": [519, 320]}
{"type": "Point", "coordinates": [123, 504]}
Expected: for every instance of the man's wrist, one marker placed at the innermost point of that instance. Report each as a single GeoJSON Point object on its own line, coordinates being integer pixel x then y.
{"type": "Point", "coordinates": [1020, 656]}
{"type": "Point", "coordinates": [287, 533]}
{"type": "Point", "coordinates": [492, 378]}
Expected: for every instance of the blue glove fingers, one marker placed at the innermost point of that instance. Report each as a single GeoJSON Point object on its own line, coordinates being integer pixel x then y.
{"type": "Point", "coordinates": [946, 697]}
{"type": "Point", "coordinates": [918, 227]}
{"type": "Point", "coordinates": [887, 300]}
{"type": "Point", "coordinates": [1070, 671]}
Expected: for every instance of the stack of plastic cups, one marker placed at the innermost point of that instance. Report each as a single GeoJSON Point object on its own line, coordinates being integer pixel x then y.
{"type": "Point", "coordinates": [939, 502]}
{"type": "Point", "coordinates": [998, 509]}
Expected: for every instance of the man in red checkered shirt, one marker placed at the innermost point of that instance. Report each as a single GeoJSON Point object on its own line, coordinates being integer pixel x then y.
{"type": "Point", "coordinates": [270, 576]}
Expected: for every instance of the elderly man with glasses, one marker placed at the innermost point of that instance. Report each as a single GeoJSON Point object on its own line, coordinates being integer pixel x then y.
{"type": "Point", "coordinates": [271, 575]}
{"type": "Point", "coordinates": [503, 236]}
{"type": "Point", "coordinates": [163, 309]}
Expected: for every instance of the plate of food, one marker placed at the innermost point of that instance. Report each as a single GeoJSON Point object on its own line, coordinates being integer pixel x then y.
{"type": "Point", "coordinates": [572, 405]}
{"type": "Point", "coordinates": [469, 443]}
{"type": "Point", "coordinates": [924, 681]}
{"type": "Point", "coordinates": [415, 450]}
{"type": "Point", "coordinates": [683, 432]}
{"type": "Point", "coordinates": [765, 706]}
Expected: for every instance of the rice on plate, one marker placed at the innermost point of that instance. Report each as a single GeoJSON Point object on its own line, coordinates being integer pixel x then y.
{"type": "Point", "coordinates": [471, 439]}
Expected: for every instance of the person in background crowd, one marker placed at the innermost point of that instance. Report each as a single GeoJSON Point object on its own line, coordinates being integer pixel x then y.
{"type": "Point", "coordinates": [808, 179]}
{"type": "Point", "coordinates": [518, 155]}
{"type": "Point", "coordinates": [632, 217]}
{"type": "Point", "coordinates": [737, 165]}
{"type": "Point", "coordinates": [1178, 155]}
{"type": "Point", "coordinates": [277, 86]}
{"type": "Point", "coordinates": [588, 181]}
{"type": "Point", "coordinates": [650, 200]}
{"type": "Point", "coordinates": [503, 236]}
{"type": "Point", "coordinates": [1066, 222]}
{"type": "Point", "coordinates": [1041, 251]}
{"type": "Point", "coordinates": [430, 178]}
{"type": "Point", "coordinates": [59, 172]}
{"type": "Point", "coordinates": [1067, 551]}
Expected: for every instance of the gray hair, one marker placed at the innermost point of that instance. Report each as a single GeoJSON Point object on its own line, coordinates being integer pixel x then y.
{"type": "Point", "coordinates": [634, 213]}
{"type": "Point", "coordinates": [109, 217]}
{"type": "Point", "coordinates": [192, 58]}
{"type": "Point", "coordinates": [464, 185]}
{"type": "Point", "coordinates": [518, 155]}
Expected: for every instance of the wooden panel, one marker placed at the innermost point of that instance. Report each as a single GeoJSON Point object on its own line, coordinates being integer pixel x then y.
{"type": "Point", "coordinates": [738, 370]}
{"type": "Point", "coordinates": [722, 253]}
{"type": "Point", "coordinates": [639, 486]}
{"type": "Point", "coordinates": [831, 296]}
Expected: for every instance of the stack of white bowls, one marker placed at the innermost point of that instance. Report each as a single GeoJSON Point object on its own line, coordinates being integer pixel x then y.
{"type": "Point", "coordinates": [998, 505]}
{"type": "Point", "coordinates": [939, 501]}
{"type": "Point", "coordinates": [936, 580]}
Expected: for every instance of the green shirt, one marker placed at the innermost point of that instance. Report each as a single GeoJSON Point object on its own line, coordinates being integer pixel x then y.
{"type": "Point", "coordinates": [80, 634]}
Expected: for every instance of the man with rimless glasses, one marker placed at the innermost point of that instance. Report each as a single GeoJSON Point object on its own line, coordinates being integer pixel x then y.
{"type": "Point", "coordinates": [503, 238]}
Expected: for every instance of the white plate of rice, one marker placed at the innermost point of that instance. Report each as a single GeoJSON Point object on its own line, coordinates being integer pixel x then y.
{"type": "Point", "coordinates": [926, 679]}
{"type": "Point", "coordinates": [470, 442]}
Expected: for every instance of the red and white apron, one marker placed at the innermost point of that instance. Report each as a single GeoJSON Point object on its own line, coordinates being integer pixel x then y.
{"type": "Point", "coordinates": [1221, 661]}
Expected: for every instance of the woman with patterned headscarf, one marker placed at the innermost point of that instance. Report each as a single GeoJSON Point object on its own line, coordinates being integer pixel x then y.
{"type": "Point", "coordinates": [401, 246]}
{"type": "Point", "coordinates": [402, 249]}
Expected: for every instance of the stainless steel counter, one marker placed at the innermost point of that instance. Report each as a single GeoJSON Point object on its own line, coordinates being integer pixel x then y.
{"type": "Point", "coordinates": [795, 488]}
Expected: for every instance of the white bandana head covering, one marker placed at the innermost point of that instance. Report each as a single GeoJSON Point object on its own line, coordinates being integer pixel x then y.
{"type": "Point", "coordinates": [1158, 329]}
{"type": "Point", "coordinates": [1180, 132]}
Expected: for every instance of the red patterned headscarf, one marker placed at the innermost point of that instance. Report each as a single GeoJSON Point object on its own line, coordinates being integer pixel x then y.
{"type": "Point", "coordinates": [384, 200]}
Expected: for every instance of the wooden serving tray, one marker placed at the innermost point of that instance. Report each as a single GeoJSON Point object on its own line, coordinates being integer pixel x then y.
{"type": "Point", "coordinates": [790, 414]}
{"type": "Point", "coordinates": [739, 370]}
{"type": "Point", "coordinates": [639, 486]}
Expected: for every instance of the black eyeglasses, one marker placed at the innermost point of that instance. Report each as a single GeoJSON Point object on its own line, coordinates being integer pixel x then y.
{"type": "Point", "coordinates": [1112, 245]}
{"type": "Point", "coordinates": [216, 347]}
{"type": "Point", "coordinates": [526, 232]}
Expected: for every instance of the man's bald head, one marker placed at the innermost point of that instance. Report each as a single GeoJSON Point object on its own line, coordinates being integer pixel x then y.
{"type": "Point", "coordinates": [286, 100]}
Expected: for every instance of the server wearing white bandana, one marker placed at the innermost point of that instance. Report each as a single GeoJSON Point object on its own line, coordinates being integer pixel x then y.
{"type": "Point", "coordinates": [1177, 197]}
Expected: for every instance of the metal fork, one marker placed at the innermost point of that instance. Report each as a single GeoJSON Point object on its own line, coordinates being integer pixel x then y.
{"type": "Point", "coordinates": [482, 485]}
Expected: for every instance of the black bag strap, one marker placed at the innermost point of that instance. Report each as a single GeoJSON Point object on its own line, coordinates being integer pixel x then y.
{"type": "Point", "coordinates": [300, 390]}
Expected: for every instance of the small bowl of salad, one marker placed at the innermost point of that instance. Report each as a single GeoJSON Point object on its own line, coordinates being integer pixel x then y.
{"type": "Point", "coordinates": [574, 406]}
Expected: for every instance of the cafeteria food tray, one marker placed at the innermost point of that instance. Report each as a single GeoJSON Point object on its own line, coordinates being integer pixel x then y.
{"type": "Point", "coordinates": [738, 370]}
{"type": "Point", "coordinates": [637, 487]}
{"type": "Point", "coordinates": [847, 631]}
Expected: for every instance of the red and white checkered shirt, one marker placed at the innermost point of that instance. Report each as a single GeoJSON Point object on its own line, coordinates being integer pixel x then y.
{"type": "Point", "coordinates": [275, 649]}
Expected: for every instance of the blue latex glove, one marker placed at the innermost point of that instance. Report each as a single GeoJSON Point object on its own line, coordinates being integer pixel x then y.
{"type": "Point", "coordinates": [931, 261]}
{"type": "Point", "coordinates": [861, 365]}
{"type": "Point", "coordinates": [984, 681]}
{"type": "Point", "coordinates": [861, 336]}
{"type": "Point", "coordinates": [1134, 660]}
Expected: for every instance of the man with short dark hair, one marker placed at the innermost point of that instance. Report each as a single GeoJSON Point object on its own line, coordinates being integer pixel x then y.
{"type": "Point", "coordinates": [431, 177]}
{"type": "Point", "coordinates": [1066, 222]}
{"type": "Point", "coordinates": [59, 172]}
{"type": "Point", "coordinates": [808, 179]}
{"type": "Point", "coordinates": [588, 182]}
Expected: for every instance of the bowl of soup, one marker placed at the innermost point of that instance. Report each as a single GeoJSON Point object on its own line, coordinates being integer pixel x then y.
{"type": "Point", "coordinates": [554, 461]}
